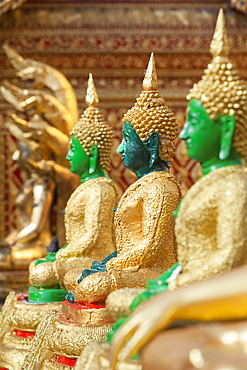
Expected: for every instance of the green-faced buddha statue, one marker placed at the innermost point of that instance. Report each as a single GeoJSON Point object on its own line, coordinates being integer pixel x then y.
{"type": "Point", "coordinates": [211, 225]}
{"type": "Point", "coordinates": [89, 211]}
{"type": "Point", "coordinates": [89, 231]}
{"type": "Point", "coordinates": [144, 226]}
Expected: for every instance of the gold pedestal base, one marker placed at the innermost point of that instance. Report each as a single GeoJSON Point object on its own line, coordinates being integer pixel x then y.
{"type": "Point", "coordinates": [18, 324]}
{"type": "Point", "coordinates": [59, 336]}
{"type": "Point", "coordinates": [96, 357]}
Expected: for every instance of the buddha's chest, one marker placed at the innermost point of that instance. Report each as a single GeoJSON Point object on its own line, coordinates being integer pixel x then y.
{"type": "Point", "coordinates": [197, 218]}
{"type": "Point", "coordinates": [130, 209]}
{"type": "Point", "coordinates": [75, 208]}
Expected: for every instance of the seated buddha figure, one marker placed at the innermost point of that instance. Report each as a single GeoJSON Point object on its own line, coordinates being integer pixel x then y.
{"type": "Point", "coordinates": [89, 228]}
{"type": "Point", "coordinates": [144, 227]}
{"type": "Point", "coordinates": [89, 211]}
{"type": "Point", "coordinates": [212, 218]}
{"type": "Point", "coordinates": [32, 235]}
{"type": "Point", "coordinates": [143, 220]}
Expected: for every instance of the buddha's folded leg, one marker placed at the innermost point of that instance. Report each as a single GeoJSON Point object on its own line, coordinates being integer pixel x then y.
{"type": "Point", "coordinates": [96, 287]}
{"type": "Point", "coordinates": [70, 280]}
{"type": "Point", "coordinates": [64, 265]}
{"type": "Point", "coordinates": [43, 275]}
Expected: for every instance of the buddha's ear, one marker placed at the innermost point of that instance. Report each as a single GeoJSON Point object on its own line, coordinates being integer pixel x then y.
{"type": "Point", "coordinates": [152, 145]}
{"type": "Point", "coordinates": [94, 157]}
{"type": "Point", "coordinates": [227, 131]}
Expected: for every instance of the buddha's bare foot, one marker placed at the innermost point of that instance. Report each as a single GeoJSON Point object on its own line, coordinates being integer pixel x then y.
{"type": "Point", "coordinates": [71, 279]}
{"type": "Point", "coordinates": [94, 288]}
{"type": "Point", "coordinates": [43, 276]}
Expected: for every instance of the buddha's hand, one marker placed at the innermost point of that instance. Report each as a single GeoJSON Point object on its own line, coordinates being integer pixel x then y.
{"type": "Point", "coordinates": [147, 320]}
{"type": "Point", "coordinates": [94, 288]}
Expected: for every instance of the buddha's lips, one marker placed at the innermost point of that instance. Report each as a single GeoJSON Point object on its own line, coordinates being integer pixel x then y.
{"type": "Point", "coordinates": [84, 306]}
{"type": "Point", "coordinates": [23, 334]}
{"type": "Point", "coordinates": [65, 360]}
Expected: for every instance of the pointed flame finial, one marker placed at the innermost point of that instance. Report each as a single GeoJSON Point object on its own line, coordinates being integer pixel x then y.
{"type": "Point", "coordinates": [92, 99]}
{"type": "Point", "coordinates": [150, 82]}
{"type": "Point", "coordinates": [219, 45]}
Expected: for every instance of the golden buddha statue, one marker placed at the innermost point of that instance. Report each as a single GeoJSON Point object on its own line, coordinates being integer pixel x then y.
{"type": "Point", "coordinates": [89, 211]}
{"type": "Point", "coordinates": [145, 240]}
{"type": "Point", "coordinates": [145, 243]}
{"type": "Point", "coordinates": [211, 223]}
{"type": "Point", "coordinates": [89, 227]}
{"type": "Point", "coordinates": [51, 106]}
{"type": "Point", "coordinates": [34, 203]}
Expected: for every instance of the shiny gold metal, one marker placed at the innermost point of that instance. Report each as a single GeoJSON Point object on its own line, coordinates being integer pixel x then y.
{"type": "Point", "coordinates": [10, 5]}
{"type": "Point", "coordinates": [52, 109]}
{"type": "Point", "coordinates": [220, 298]}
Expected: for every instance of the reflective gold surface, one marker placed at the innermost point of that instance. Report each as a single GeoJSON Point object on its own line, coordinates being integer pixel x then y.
{"type": "Point", "coordinates": [145, 242]}
{"type": "Point", "coordinates": [216, 243]}
{"type": "Point", "coordinates": [219, 298]}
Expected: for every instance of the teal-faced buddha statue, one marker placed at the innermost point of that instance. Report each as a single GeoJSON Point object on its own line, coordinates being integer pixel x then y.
{"type": "Point", "coordinates": [144, 226]}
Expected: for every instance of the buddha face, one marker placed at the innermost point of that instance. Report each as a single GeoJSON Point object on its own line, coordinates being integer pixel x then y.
{"type": "Point", "coordinates": [133, 151]}
{"type": "Point", "coordinates": [202, 135]}
{"type": "Point", "coordinates": [78, 158]}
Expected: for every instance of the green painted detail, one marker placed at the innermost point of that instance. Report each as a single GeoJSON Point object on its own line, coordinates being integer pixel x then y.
{"type": "Point", "coordinates": [209, 142]}
{"type": "Point", "coordinates": [138, 156]}
{"type": "Point", "coordinates": [86, 166]}
{"type": "Point", "coordinates": [46, 295]}
{"type": "Point", "coordinates": [50, 257]}
{"type": "Point", "coordinates": [154, 287]}
{"type": "Point", "coordinates": [97, 267]}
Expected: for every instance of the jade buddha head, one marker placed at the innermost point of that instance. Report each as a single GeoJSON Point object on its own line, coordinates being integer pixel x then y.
{"type": "Point", "coordinates": [91, 140]}
{"type": "Point", "coordinates": [215, 131]}
{"type": "Point", "coordinates": [149, 130]}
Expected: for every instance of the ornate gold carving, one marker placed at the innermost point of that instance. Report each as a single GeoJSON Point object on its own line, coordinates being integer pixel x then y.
{"type": "Point", "coordinates": [92, 128]}
{"type": "Point", "coordinates": [96, 357]}
{"type": "Point", "coordinates": [150, 114]}
{"type": "Point", "coordinates": [222, 239]}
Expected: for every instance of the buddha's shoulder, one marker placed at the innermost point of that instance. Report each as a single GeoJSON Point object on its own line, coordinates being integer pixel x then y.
{"type": "Point", "coordinates": [160, 180]}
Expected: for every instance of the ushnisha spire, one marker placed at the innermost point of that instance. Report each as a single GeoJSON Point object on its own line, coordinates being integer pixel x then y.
{"type": "Point", "coordinates": [219, 45]}
{"type": "Point", "coordinates": [221, 91]}
{"type": "Point", "coordinates": [92, 129]}
{"type": "Point", "coordinates": [150, 82]}
{"type": "Point", "coordinates": [91, 99]}
{"type": "Point", "coordinates": [151, 114]}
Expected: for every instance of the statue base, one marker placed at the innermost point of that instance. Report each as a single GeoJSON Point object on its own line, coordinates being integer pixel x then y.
{"type": "Point", "coordinates": [96, 357]}
{"type": "Point", "coordinates": [18, 324]}
{"type": "Point", "coordinates": [61, 339]}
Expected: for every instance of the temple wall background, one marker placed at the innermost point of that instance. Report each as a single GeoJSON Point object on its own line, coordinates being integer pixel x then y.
{"type": "Point", "coordinates": [113, 40]}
